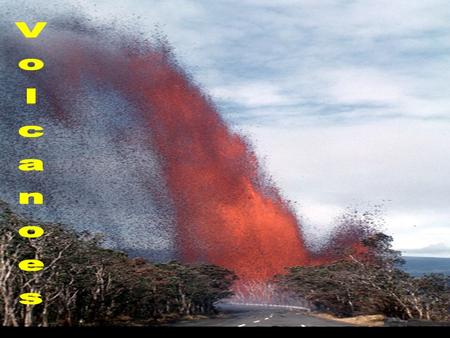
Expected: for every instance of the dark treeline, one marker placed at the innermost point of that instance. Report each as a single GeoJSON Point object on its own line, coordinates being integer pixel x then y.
{"type": "Point", "coordinates": [367, 278]}
{"type": "Point", "coordinates": [85, 284]}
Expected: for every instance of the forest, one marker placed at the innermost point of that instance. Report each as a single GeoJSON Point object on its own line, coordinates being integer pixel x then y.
{"type": "Point", "coordinates": [372, 282]}
{"type": "Point", "coordinates": [85, 284]}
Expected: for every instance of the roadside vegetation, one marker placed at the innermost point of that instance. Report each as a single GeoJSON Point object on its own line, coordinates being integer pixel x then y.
{"type": "Point", "coordinates": [85, 284]}
{"type": "Point", "coordinates": [366, 278]}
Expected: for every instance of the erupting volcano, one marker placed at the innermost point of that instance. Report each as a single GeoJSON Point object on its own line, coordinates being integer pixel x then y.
{"type": "Point", "coordinates": [225, 210]}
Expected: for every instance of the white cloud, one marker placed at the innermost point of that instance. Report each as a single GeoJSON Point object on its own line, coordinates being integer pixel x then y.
{"type": "Point", "coordinates": [437, 250]}
{"type": "Point", "coordinates": [403, 165]}
{"type": "Point", "coordinates": [363, 86]}
{"type": "Point", "coordinates": [256, 94]}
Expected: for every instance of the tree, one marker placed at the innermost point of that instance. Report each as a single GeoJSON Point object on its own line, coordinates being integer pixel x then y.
{"type": "Point", "coordinates": [82, 282]}
{"type": "Point", "coordinates": [367, 280]}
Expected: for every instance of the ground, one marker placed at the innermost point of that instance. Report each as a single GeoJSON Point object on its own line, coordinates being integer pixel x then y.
{"type": "Point", "coordinates": [246, 316]}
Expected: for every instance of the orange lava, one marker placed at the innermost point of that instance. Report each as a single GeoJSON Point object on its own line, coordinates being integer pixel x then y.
{"type": "Point", "coordinates": [227, 212]}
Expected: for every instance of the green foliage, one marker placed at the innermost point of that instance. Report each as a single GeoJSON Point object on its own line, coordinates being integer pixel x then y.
{"type": "Point", "coordinates": [85, 284]}
{"type": "Point", "coordinates": [369, 284]}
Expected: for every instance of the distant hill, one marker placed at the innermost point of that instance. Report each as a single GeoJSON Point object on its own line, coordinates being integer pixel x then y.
{"type": "Point", "coordinates": [417, 266]}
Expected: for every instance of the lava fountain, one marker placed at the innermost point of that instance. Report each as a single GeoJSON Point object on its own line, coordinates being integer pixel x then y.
{"type": "Point", "coordinates": [226, 211]}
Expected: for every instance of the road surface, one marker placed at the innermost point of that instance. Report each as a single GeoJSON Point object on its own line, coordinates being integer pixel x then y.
{"type": "Point", "coordinates": [251, 316]}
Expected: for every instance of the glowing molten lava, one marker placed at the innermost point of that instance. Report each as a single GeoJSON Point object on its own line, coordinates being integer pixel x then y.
{"type": "Point", "coordinates": [227, 214]}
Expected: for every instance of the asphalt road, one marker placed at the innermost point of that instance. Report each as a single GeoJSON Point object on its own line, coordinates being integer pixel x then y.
{"type": "Point", "coordinates": [251, 316]}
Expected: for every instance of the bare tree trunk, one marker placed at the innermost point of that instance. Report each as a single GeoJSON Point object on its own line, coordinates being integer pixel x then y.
{"type": "Point", "coordinates": [8, 261]}
{"type": "Point", "coordinates": [10, 317]}
{"type": "Point", "coordinates": [45, 315]}
{"type": "Point", "coordinates": [28, 320]}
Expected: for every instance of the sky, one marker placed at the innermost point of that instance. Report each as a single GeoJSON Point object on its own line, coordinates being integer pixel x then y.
{"type": "Point", "coordinates": [346, 102]}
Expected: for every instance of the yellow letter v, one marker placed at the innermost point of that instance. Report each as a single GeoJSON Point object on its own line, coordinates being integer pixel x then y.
{"type": "Point", "coordinates": [31, 34]}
